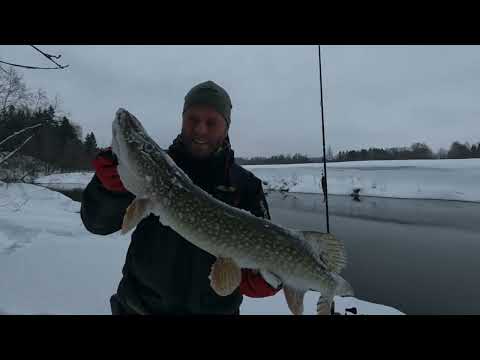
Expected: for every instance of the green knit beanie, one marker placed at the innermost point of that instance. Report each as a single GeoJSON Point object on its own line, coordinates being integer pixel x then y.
{"type": "Point", "coordinates": [209, 93]}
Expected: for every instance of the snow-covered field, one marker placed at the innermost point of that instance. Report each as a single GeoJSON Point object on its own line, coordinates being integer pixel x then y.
{"type": "Point", "coordinates": [410, 179]}
{"type": "Point", "coordinates": [49, 263]}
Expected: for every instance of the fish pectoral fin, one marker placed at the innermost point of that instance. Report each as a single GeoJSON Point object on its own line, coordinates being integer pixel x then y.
{"type": "Point", "coordinates": [225, 276]}
{"type": "Point", "coordinates": [294, 299]}
{"type": "Point", "coordinates": [136, 211]}
{"type": "Point", "coordinates": [328, 248]}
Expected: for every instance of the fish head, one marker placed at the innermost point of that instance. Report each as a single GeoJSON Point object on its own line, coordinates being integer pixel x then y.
{"type": "Point", "coordinates": [133, 148]}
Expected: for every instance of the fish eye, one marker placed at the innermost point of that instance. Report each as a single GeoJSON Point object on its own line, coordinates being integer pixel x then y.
{"type": "Point", "coordinates": [147, 147]}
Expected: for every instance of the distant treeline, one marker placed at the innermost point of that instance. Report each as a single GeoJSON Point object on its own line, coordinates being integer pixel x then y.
{"type": "Point", "coordinates": [275, 159]}
{"type": "Point", "coordinates": [415, 151]}
{"type": "Point", "coordinates": [57, 143]}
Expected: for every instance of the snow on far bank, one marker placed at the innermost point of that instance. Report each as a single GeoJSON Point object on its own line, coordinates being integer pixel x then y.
{"type": "Point", "coordinates": [412, 179]}
{"type": "Point", "coordinates": [50, 264]}
{"type": "Point", "coordinates": [379, 164]}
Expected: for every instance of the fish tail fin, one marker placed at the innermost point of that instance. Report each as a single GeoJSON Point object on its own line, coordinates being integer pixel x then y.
{"type": "Point", "coordinates": [324, 305]}
{"type": "Point", "coordinates": [325, 301]}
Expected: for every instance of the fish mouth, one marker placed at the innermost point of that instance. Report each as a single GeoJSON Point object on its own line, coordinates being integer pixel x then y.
{"type": "Point", "coordinates": [128, 140]}
{"type": "Point", "coordinates": [127, 129]}
{"type": "Point", "coordinates": [128, 135]}
{"type": "Point", "coordinates": [126, 120]}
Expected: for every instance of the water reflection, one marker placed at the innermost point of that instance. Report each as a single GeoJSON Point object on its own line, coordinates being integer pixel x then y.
{"type": "Point", "coordinates": [456, 214]}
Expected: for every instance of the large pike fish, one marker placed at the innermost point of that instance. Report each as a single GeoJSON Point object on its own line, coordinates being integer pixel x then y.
{"type": "Point", "coordinates": [303, 260]}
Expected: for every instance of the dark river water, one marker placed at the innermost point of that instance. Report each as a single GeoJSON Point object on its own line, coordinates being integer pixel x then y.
{"type": "Point", "coordinates": [419, 256]}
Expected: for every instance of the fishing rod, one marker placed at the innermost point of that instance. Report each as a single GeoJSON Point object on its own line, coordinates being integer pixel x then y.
{"type": "Point", "coordinates": [324, 177]}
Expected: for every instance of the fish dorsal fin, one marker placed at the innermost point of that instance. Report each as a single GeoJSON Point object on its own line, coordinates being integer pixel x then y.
{"type": "Point", "coordinates": [328, 248]}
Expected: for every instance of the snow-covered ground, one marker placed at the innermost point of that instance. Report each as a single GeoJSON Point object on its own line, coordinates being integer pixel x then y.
{"type": "Point", "coordinates": [410, 179]}
{"type": "Point", "coordinates": [49, 263]}
{"type": "Point", "coordinates": [68, 181]}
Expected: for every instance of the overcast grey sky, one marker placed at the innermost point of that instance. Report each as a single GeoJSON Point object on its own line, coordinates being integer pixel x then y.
{"type": "Point", "coordinates": [381, 96]}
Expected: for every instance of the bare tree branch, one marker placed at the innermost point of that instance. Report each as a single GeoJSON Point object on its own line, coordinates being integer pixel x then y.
{"type": "Point", "coordinates": [5, 71]}
{"type": "Point", "coordinates": [40, 98]}
{"type": "Point", "coordinates": [18, 133]}
{"type": "Point", "coordinates": [50, 57]}
{"type": "Point", "coordinates": [18, 148]}
{"type": "Point", "coordinates": [12, 89]}
{"type": "Point", "coordinates": [28, 173]}
{"type": "Point", "coordinates": [32, 67]}
{"type": "Point", "coordinates": [47, 55]}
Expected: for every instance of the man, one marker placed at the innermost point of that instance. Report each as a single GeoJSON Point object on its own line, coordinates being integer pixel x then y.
{"type": "Point", "coordinates": [164, 273]}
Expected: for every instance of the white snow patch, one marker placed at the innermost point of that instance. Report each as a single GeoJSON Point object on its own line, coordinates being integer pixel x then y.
{"type": "Point", "coordinates": [411, 179]}
{"type": "Point", "coordinates": [66, 181]}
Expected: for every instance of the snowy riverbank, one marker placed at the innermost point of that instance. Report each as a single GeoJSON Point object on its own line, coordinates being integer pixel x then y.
{"type": "Point", "coordinates": [408, 179]}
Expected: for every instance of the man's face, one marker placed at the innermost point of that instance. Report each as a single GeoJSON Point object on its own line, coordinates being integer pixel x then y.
{"type": "Point", "coordinates": [203, 130]}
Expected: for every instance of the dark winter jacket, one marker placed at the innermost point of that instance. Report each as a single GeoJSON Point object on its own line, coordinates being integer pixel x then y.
{"type": "Point", "coordinates": [164, 273]}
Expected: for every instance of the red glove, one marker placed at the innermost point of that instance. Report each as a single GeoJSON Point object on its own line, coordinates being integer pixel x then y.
{"type": "Point", "coordinates": [254, 285]}
{"type": "Point", "coordinates": [105, 166]}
